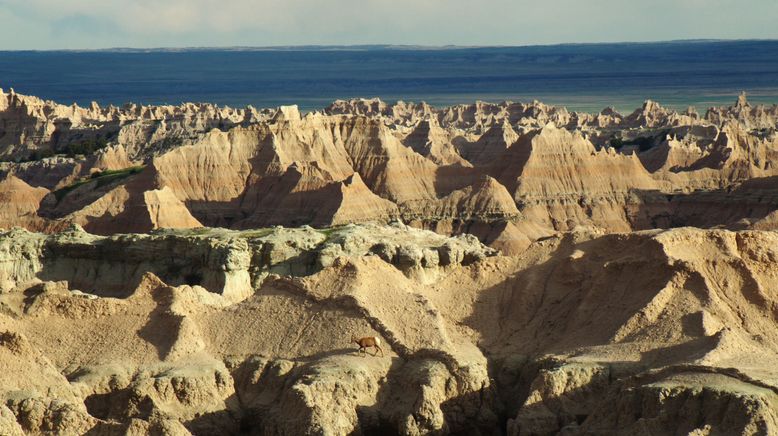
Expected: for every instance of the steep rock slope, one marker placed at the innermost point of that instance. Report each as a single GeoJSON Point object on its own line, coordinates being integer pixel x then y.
{"type": "Point", "coordinates": [20, 203]}
{"type": "Point", "coordinates": [560, 180]}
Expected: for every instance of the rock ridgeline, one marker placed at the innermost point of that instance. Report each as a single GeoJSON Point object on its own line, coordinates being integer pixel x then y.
{"type": "Point", "coordinates": [247, 332]}
{"type": "Point", "coordinates": [509, 173]}
{"type": "Point", "coordinates": [225, 262]}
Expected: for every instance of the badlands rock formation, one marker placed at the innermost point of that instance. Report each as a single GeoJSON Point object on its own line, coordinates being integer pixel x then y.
{"type": "Point", "coordinates": [226, 332]}
{"type": "Point", "coordinates": [510, 173]}
{"type": "Point", "coordinates": [197, 269]}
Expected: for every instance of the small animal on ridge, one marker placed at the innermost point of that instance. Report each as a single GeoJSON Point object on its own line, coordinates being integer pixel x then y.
{"type": "Point", "coordinates": [366, 342]}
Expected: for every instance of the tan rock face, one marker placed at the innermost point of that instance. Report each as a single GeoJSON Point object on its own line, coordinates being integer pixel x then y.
{"type": "Point", "coordinates": [530, 170]}
{"type": "Point", "coordinates": [20, 203]}
{"type": "Point", "coordinates": [217, 331]}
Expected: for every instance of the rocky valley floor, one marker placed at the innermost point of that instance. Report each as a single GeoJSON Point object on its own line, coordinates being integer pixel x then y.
{"type": "Point", "coordinates": [201, 270]}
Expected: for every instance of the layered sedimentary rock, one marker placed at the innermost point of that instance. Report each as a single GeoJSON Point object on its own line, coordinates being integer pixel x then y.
{"type": "Point", "coordinates": [163, 294]}
{"type": "Point", "coordinates": [20, 203]}
{"type": "Point", "coordinates": [30, 123]}
{"type": "Point", "coordinates": [582, 316]}
{"type": "Point", "coordinates": [222, 332]}
{"type": "Point", "coordinates": [530, 170]}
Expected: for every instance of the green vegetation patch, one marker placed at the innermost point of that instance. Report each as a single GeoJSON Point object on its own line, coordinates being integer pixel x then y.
{"type": "Point", "coordinates": [101, 178]}
{"type": "Point", "coordinates": [328, 231]}
{"type": "Point", "coordinates": [85, 147]}
{"type": "Point", "coordinates": [258, 233]}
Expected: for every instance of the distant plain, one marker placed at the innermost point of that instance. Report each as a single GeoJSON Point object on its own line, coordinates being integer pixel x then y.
{"type": "Point", "coordinates": [585, 77]}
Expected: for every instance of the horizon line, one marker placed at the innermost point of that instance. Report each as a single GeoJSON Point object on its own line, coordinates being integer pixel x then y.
{"type": "Point", "coordinates": [366, 47]}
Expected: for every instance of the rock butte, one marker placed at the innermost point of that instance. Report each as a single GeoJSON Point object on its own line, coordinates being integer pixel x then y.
{"type": "Point", "coordinates": [197, 269]}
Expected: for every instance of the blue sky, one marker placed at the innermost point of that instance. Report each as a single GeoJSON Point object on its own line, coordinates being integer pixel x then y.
{"type": "Point", "coordinates": [82, 24]}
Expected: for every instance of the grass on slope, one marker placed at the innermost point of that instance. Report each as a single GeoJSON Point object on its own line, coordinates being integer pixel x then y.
{"type": "Point", "coordinates": [101, 178]}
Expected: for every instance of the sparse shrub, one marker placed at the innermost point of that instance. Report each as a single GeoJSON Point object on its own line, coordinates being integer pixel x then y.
{"type": "Point", "coordinates": [85, 147]}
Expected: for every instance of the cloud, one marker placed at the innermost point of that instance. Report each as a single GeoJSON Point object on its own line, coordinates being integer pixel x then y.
{"type": "Point", "coordinates": [143, 23]}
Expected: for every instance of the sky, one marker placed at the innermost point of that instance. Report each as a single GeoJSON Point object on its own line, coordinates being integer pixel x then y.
{"type": "Point", "coordinates": [93, 24]}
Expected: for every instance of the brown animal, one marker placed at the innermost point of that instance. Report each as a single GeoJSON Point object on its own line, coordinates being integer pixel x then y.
{"type": "Point", "coordinates": [366, 342]}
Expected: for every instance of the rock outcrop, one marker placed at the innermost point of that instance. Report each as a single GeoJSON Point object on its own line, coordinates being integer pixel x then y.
{"type": "Point", "coordinates": [215, 331]}
{"type": "Point", "coordinates": [20, 203]}
{"type": "Point", "coordinates": [529, 170]}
